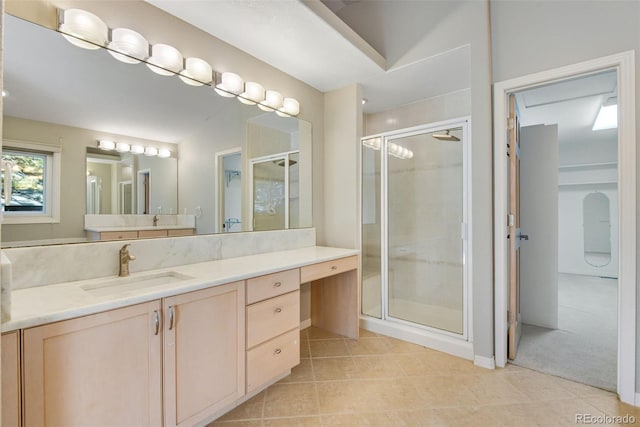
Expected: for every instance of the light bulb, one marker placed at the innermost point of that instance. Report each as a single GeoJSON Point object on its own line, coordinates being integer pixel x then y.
{"type": "Point", "coordinates": [106, 144]}
{"type": "Point", "coordinates": [230, 85]}
{"type": "Point", "coordinates": [196, 72]}
{"type": "Point", "coordinates": [137, 149]}
{"type": "Point", "coordinates": [290, 107]}
{"type": "Point", "coordinates": [150, 151]}
{"type": "Point", "coordinates": [253, 93]}
{"type": "Point", "coordinates": [123, 147]}
{"type": "Point", "coordinates": [165, 60]}
{"type": "Point", "coordinates": [163, 153]}
{"type": "Point", "coordinates": [272, 102]}
{"type": "Point", "coordinates": [128, 46]}
{"type": "Point", "coordinates": [83, 29]}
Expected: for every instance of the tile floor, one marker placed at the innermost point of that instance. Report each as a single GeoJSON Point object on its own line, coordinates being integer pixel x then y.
{"type": "Point", "coordinates": [381, 381]}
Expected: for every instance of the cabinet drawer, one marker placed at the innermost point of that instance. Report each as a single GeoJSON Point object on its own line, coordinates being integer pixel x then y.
{"type": "Point", "coordinates": [272, 317]}
{"type": "Point", "coordinates": [272, 358]}
{"type": "Point", "coordinates": [177, 232]}
{"type": "Point", "coordinates": [271, 285]}
{"type": "Point", "coordinates": [313, 272]}
{"type": "Point", "coordinates": [118, 235]}
{"type": "Point", "coordinates": [145, 234]}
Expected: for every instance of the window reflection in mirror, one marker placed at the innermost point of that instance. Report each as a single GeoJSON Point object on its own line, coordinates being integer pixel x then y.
{"type": "Point", "coordinates": [597, 229]}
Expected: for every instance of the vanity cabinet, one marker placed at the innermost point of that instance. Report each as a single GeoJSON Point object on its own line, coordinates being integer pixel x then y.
{"type": "Point", "coordinates": [102, 369]}
{"type": "Point", "coordinates": [273, 322]}
{"type": "Point", "coordinates": [203, 352]}
{"type": "Point", "coordinates": [11, 412]}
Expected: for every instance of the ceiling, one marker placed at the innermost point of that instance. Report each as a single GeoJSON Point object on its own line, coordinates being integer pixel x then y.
{"type": "Point", "coordinates": [571, 104]}
{"type": "Point", "coordinates": [307, 40]}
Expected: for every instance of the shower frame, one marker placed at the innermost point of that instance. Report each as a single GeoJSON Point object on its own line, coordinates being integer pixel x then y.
{"type": "Point", "coordinates": [425, 335]}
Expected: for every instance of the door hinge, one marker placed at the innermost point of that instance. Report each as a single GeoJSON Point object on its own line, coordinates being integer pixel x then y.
{"type": "Point", "coordinates": [511, 220]}
{"type": "Point", "coordinates": [511, 318]}
{"type": "Point", "coordinates": [510, 123]}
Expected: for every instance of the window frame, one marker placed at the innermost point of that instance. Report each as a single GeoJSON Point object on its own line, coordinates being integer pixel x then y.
{"type": "Point", "coordinates": [51, 214]}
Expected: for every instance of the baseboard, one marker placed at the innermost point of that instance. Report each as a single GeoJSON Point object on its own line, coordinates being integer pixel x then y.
{"type": "Point", "coordinates": [305, 324]}
{"type": "Point", "coordinates": [484, 362]}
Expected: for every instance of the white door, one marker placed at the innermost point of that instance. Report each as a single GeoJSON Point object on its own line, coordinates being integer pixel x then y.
{"type": "Point", "coordinates": [539, 221]}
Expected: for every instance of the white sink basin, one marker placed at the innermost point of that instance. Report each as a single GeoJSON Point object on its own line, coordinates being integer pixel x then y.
{"type": "Point", "coordinates": [120, 285]}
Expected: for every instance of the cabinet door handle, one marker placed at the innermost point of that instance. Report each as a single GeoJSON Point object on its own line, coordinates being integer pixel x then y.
{"type": "Point", "coordinates": [171, 317]}
{"type": "Point", "coordinates": [277, 351]}
{"type": "Point", "coordinates": [156, 322]}
{"type": "Point", "coordinates": [278, 310]}
{"type": "Point", "coordinates": [334, 267]}
{"type": "Point", "coordinates": [277, 284]}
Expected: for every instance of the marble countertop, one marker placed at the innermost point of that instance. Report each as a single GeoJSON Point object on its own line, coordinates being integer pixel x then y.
{"type": "Point", "coordinates": [45, 304]}
{"type": "Point", "coordinates": [102, 229]}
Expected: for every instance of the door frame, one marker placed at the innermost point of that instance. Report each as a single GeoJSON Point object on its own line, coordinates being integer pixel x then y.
{"type": "Point", "coordinates": [624, 64]}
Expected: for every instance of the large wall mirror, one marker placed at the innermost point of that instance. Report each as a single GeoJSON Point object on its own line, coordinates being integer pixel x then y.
{"type": "Point", "coordinates": [597, 229]}
{"type": "Point", "coordinates": [67, 98]}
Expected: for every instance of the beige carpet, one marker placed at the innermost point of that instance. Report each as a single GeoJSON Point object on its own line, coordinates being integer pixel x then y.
{"type": "Point", "coordinates": [584, 347]}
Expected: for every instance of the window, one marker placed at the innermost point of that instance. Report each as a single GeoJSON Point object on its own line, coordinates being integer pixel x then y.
{"type": "Point", "coordinates": [30, 183]}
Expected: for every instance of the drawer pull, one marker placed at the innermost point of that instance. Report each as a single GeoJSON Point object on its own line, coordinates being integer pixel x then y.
{"type": "Point", "coordinates": [277, 351]}
{"type": "Point", "coordinates": [278, 310]}
{"type": "Point", "coordinates": [334, 267]}
{"type": "Point", "coordinates": [156, 321]}
{"type": "Point", "coordinates": [277, 284]}
{"type": "Point", "coordinates": [171, 317]}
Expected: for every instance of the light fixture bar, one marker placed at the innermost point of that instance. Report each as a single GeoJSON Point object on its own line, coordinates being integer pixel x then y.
{"type": "Point", "coordinates": [88, 31]}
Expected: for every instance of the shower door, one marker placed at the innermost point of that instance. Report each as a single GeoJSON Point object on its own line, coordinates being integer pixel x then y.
{"type": "Point", "coordinates": [274, 192]}
{"type": "Point", "coordinates": [422, 227]}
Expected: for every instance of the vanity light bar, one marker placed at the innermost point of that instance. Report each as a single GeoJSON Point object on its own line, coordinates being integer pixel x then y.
{"type": "Point", "coordinates": [86, 30]}
{"type": "Point", "coordinates": [123, 147]}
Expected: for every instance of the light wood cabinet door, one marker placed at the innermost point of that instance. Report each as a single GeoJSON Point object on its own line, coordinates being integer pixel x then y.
{"type": "Point", "coordinates": [203, 352]}
{"type": "Point", "coordinates": [11, 379]}
{"type": "Point", "coordinates": [99, 370]}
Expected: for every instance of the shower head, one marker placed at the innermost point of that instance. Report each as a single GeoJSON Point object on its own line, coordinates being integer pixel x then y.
{"type": "Point", "coordinates": [445, 136]}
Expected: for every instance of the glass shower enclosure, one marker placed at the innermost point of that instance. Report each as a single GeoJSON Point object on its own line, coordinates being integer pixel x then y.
{"type": "Point", "coordinates": [415, 228]}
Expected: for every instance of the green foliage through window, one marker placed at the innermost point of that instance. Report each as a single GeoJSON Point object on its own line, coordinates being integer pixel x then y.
{"type": "Point", "coordinates": [27, 182]}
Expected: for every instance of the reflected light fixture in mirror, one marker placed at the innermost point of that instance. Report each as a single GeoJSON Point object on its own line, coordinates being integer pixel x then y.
{"type": "Point", "coordinates": [150, 151]}
{"type": "Point", "coordinates": [165, 60]}
{"type": "Point", "coordinates": [128, 46]}
{"type": "Point", "coordinates": [272, 102]}
{"type": "Point", "coordinates": [106, 144]}
{"type": "Point", "coordinates": [196, 72]}
{"type": "Point", "coordinates": [253, 93]}
{"type": "Point", "coordinates": [123, 147]}
{"type": "Point", "coordinates": [83, 29]}
{"type": "Point", "coordinates": [230, 85]}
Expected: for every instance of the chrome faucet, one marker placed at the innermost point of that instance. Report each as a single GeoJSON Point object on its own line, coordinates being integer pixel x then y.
{"type": "Point", "coordinates": [155, 220]}
{"type": "Point", "coordinates": [125, 257]}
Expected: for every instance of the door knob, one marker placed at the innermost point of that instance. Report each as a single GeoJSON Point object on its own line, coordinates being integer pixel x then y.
{"type": "Point", "coordinates": [524, 237]}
